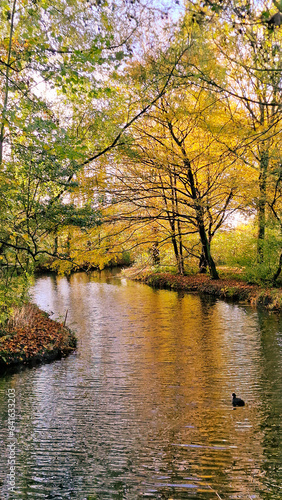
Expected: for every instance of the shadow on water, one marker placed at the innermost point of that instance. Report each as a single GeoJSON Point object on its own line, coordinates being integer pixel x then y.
{"type": "Point", "coordinates": [143, 410]}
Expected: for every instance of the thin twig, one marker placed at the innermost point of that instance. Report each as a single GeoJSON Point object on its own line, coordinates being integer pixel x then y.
{"type": "Point", "coordinates": [218, 496]}
{"type": "Point", "coordinates": [66, 317]}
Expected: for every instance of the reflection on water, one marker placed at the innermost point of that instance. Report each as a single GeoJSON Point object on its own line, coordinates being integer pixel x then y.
{"type": "Point", "coordinates": [143, 409]}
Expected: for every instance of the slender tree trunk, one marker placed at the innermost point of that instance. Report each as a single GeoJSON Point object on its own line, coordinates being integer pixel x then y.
{"type": "Point", "coordinates": [180, 262]}
{"type": "Point", "coordinates": [181, 259]}
{"type": "Point", "coordinates": [6, 89]}
{"type": "Point", "coordinates": [200, 221]}
{"type": "Point", "coordinates": [173, 221]}
{"type": "Point", "coordinates": [264, 160]}
{"type": "Point", "coordinates": [279, 269]}
{"type": "Point", "coordinates": [56, 245]}
{"type": "Point", "coordinates": [68, 244]}
{"type": "Point", "coordinates": [175, 246]}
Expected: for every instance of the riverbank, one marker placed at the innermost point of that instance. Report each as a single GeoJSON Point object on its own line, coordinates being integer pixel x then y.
{"type": "Point", "coordinates": [31, 337]}
{"type": "Point", "coordinates": [268, 297]}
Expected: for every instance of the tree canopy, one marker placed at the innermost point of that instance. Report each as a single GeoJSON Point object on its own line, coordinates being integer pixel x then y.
{"type": "Point", "coordinates": [129, 127]}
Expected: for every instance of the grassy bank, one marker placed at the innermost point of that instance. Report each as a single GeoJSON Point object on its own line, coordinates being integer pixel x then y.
{"type": "Point", "coordinates": [236, 289]}
{"type": "Point", "coordinates": [31, 337]}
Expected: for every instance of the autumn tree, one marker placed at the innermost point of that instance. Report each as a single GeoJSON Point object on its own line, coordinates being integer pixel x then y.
{"type": "Point", "coordinates": [53, 58]}
{"type": "Point", "coordinates": [247, 36]}
{"type": "Point", "coordinates": [38, 151]}
{"type": "Point", "coordinates": [55, 63]}
{"type": "Point", "coordinates": [173, 172]}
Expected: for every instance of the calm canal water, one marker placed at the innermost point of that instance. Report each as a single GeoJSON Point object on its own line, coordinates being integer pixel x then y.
{"type": "Point", "coordinates": [143, 409]}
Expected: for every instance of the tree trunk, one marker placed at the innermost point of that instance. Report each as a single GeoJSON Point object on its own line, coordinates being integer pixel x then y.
{"type": "Point", "coordinates": [203, 263]}
{"type": "Point", "coordinates": [277, 274]}
{"type": "Point", "coordinates": [156, 254]}
{"type": "Point", "coordinates": [180, 262]}
{"type": "Point", "coordinates": [177, 248]}
{"type": "Point", "coordinates": [173, 219]}
{"type": "Point", "coordinates": [200, 222]}
{"type": "Point", "coordinates": [68, 244]}
{"type": "Point", "coordinates": [56, 240]}
{"type": "Point", "coordinates": [6, 91]}
{"type": "Point", "coordinates": [264, 160]}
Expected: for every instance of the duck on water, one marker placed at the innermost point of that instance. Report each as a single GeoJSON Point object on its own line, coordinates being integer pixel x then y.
{"type": "Point", "coordinates": [237, 401]}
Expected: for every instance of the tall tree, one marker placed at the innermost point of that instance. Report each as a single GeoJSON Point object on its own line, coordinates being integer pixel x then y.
{"type": "Point", "coordinates": [247, 36]}
{"type": "Point", "coordinates": [173, 170]}
{"type": "Point", "coordinates": [55, 64]}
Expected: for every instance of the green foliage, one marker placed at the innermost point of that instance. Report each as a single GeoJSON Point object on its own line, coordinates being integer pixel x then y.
{"type": "Point", "coordinates": [263, 272]}
{"type": "Point", "coordinates": [13, 293]}
{"type": "Point", "coordinates": [126, 258]}
{"type": "Point", "coordinates": [278, 4]}
{"type": "Point", "coordinates": [235, 247]}
{"type": "Point", "coordinates": [35, 186]}
{"type": "Point", "coordinates": [259, 273]}
{"type": "Point", "coordinates": [58, 215]}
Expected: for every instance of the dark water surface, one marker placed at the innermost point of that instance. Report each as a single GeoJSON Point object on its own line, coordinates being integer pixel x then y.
{"type": "Point", "coordinates": [143, 409]}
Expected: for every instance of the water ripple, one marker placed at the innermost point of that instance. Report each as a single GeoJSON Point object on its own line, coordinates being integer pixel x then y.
{"type": "Point", "coordinates": [143, 409]}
